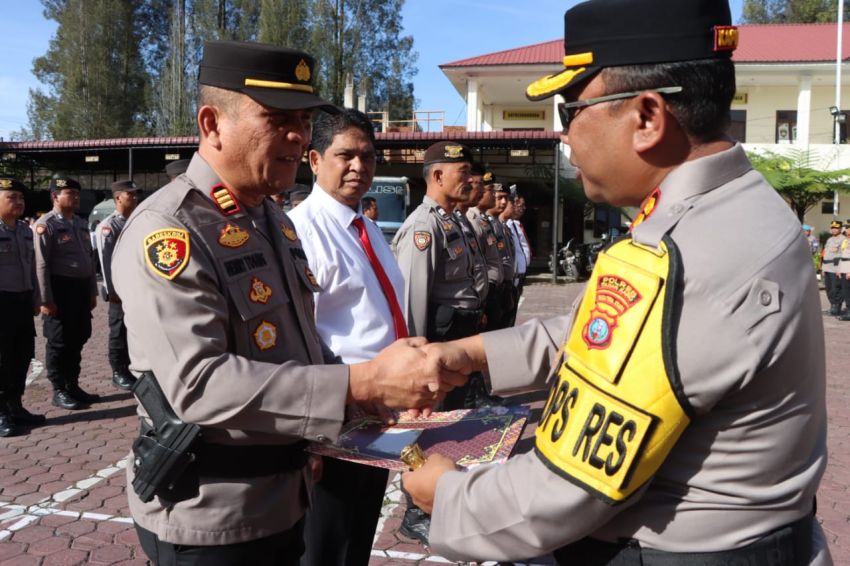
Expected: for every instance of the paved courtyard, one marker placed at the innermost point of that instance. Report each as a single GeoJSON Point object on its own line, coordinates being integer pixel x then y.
{"type": "Point", "coordinates": [62, 485]}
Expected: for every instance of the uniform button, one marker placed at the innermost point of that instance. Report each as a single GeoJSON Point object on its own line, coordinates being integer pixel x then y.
{"type": "Point", "coordinates": [323, 439]}
{"type": "Point", "coordinates": [765, 298]}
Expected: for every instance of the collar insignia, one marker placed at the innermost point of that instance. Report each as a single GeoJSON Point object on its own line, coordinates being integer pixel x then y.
{"type": "Point", "coordinates": [265, 335]}
{"type": "Point", "coordinates": [260, 292]}
{"type": "Point", "coordinates": [422, 240]}
{"type": "Point", "coordinates": [224, 200]}
{"type": "Point", "coordinates": [288, 233]}
{"type": "Point", "coordinates": [725, 38]}
{"type": "Point", "coordinates": [614, 296]}
{"type": "Point", "coordinates": [167, 252]}
{"type": "Point", "coordinates": [647, 208]}
{"type": "Point", "coordinates": [302, 71]}
{"type": "Point", "coordinates": [233, 236]}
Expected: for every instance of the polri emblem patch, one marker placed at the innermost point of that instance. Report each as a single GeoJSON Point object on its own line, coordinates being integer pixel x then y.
{"type": "Point", "coordinates": [310, 277]}
{"type": "Point", "coordinates": [260, 292]}
{"type": "Point", "coordinates": [232, 236]}
{"type": "Point", "coordinates": [614, 296]}
{"type": "Point", "coordinates": [288, 233]}
{"type": "Point", "coordinates": [167, 252]}
{"type": "Point", "coordinates": [422, 240]}
{"type": "Point", "coordinates": [265, 336]}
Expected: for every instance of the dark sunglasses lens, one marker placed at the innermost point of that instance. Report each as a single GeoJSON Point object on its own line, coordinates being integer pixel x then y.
{"type": "Point", "coordinates": [564, 113]}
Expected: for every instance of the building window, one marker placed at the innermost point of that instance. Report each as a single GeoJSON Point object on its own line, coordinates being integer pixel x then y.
{"type": "Point", "coordinates": [842, 127]}
{"type": "Point", "coordinates": [827, 207]}
{"type": "Point", "coordinates": [737, 125]}
{"type": "Point", "coordinates": [786, 126]}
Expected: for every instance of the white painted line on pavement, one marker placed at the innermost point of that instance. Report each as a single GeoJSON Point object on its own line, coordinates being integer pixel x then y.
{"type": "Point", "coordinates": [36, 367]}
{"type": "Point", "coordinates": [23, 522]}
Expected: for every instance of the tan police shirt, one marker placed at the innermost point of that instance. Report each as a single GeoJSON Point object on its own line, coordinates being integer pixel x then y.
{"type": "Point", "coordinates": [750, 358]}
{"type": "Point", "coordinates": [479, 270]}
{"type": "Point", "coordinates": [17, 260]}
{"type": "Point", "coordinates": [107, 233]}
{"type": "Point", "coordinates": [62, 247]}
{"type": "Point", "coordinates": [487, 243]}
{"type": "Point", "coordinates": [832, 254]}
{"type": "Point", "coordinates": [434, 258]}
{"type": "Point", "coordinates": [218, 304]}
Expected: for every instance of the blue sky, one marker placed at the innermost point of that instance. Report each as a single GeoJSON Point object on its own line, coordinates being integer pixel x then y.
{"type": "Point", "coordinates": [442, 30]}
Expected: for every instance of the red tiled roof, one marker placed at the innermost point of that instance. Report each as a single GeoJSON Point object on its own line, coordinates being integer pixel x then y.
{"type": "Point", "coordinates": [769, 43]}
{"type": "Point", "coordinates": [121, 143]}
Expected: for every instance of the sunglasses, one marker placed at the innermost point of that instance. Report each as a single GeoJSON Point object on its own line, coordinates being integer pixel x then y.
{"type": "Point", "coordinates": [568, 110]}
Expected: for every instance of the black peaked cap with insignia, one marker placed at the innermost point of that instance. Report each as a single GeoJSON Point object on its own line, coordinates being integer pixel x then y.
{"type": "Point", "coordinates": [277, 77]}
{"type": "Point", "coordinates": [500, 188]}
{"type": "Point", "coordinates": [835, 225]}
{"type": "Point", "coordinates": [447, 152]}
{"type": "Point", "coordinates": [489, 178]}
{"type": "Point", "coordinates": [125, 185]}
{"type": "Point", "coordinates": [11, 184]}
{"type": "Point", "coordinates": [59, 183]}
{"type": "Point", "coordinates": [613, 33]}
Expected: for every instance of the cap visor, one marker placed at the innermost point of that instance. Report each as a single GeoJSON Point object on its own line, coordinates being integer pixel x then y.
{"type": "Point", "coordinates": [289, 100]}
{"type": "Point", "coordinates": [553, 84]}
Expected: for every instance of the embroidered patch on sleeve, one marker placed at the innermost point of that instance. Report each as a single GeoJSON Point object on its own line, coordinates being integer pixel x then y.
{"type": "Point", "coordinates": [167, 252]}
{"type": "Point", "coordinates": [40, 229]}
{"type": "Point", "coordinates": [422, 240]}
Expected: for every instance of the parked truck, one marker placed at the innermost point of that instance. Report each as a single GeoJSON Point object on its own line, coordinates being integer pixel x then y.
{"type": "Point", "coordinates": [393, 197]}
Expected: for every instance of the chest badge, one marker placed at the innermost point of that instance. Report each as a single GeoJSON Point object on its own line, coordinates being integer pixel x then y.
{"type": "Point", "coordinates": [232, 236]}
{"type": "Point", "coordinates": [167, 252]}
{"type": "Point", "coordinates": [288, 233]}
{"type": "Point", "coordinates": [310, 277]}
{"type": "Point", "coordinates": [447, 226]}
{"type": "Point", "coordinates": [260, 292]}
{"type": "Point", "coordinates": [265, 336]}
{"type": "Point", "coordinates": [614, 296]}
{"type": "Point", "coordinates": [64, 238]}
{"type": "Point", "coordinates": [422, 240]}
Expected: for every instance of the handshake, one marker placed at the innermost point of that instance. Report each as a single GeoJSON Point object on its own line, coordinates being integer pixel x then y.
{"type": "Point", "coordinates": [413, 374]}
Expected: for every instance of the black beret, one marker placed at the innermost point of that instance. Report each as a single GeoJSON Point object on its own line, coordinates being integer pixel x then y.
{"type": "Point", "coordinates": [273, 76]}
{"type": "Point", "coordinates": [177, 168]}
{"type": "Point", "coordinates": [613, 33]}
{"type": "Point", "coordinates": [11, 184]}
{"type": "Point", "coordinates": [59, 183]}
{"type": "Point", "coordinates": [489, 178]}
{"type": "Point", "coordinates": [126, 185]}
{"type": "Point", "coordinates": [447, 152]}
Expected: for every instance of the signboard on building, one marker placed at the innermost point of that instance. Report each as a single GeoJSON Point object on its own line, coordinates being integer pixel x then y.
{"type": "Point", "coordinates": [523, 114]}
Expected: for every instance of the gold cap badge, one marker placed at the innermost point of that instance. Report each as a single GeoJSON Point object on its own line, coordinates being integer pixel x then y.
{"type": "Point", "coordinates": [454, 151]}
{"type": "Point", "coordinates": [5, 183]}
{"type": "Point", "coordinates": [302, 71]}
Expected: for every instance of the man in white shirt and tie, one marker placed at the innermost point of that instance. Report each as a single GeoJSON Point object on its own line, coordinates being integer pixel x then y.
{"type": "Point", "coordinates": [357, 315]}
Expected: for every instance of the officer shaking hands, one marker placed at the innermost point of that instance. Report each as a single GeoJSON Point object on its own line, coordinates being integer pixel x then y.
{"type": "Point", "coordinates": [686, 419]}
{"type": "Point", "coordinates": [218, 302]}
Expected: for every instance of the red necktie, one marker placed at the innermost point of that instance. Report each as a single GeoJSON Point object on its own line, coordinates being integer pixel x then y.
{"type": "Point", "coordinates": [386, 286]}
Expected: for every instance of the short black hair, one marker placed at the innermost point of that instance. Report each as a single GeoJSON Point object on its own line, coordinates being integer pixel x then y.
{"type": "Point", "coordinates": [326, 126]}
{"type": "Point", "coordinates": [368, 202]}
{"type": "Point", "coordinates": [708, 86]}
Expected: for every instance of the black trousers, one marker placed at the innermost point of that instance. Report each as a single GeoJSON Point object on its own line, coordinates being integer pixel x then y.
{"type": "Point", "coordinates": [340, 526]}
{"type": "Point", "coordinates": [119, 355]}
{"type": "Point", "coordinates": [282, 549]}
{"type": "Point", "coordinates": [17, 344]}
{"type": "Point", "coordinates": [69, 330]}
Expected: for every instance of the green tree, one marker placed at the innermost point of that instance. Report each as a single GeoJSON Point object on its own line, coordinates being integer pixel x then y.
{"type": "Point", "coordinates": [790, 11]}
{"type": "Point", "coordinates": [93, 71]}
{"type": "Point", "coordinates": [801, 177]}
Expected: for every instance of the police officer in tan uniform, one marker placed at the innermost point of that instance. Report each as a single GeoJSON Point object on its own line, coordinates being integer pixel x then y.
{"type": "Point", "coordinates": [124, 193]}
{"type": "Point", "coordinates": [481, 224]}
{"type": "Point", "coordinates": [19, 302]}
{"type": "Point", "coordinates": [479, 270]}
{"type": "Point", "coordinates": [844, 272]}
{"type": "Point", "coordinates": [505, 247]}
{"type": "Point", "coordinates": [830, 266]}
{"type": "Point", "coordinates": [217, 295]}
{"type": "Point", "coordinates": [66, 281]}
{"type": "Point", "coordinates": [686, 419]}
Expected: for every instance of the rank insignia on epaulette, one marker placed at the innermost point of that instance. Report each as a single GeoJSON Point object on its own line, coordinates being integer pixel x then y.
{"type": "Point", "coordinates": [260, 292]}
{"type": "Point", "coordinates": [265, 335]}
{"type": "Point", "coordinates": [40, 229]}
{"type": "Point", "coordinates": [310, 277]}
{"type": "Point", "coordinates": [167, 252]}
{"type": "Point", "coordinates": [422, 240]}
{"type": "Point", "coordinates": [224, 200]}
{"type": "Point", "coordinates": [288, 233]}
{"type": "Point", "coordinates": [232, 236]}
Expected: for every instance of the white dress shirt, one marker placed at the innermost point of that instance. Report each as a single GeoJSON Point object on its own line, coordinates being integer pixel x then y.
{"type": "Point", "coordinates": [522, 251]}
{"type": "Point", "coordinates": [352, 313]}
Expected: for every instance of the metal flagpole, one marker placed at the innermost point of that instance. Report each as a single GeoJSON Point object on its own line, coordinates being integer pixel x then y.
{"type": "Point", "coordinates": [839, 55]}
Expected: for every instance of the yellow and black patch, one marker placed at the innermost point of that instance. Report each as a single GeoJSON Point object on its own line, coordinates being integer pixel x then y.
{"type": "Point", "coordinates": [288, 233]}
{"type": "Point", "coordinates": [260, 292]}
{"type": "Point", "coordinates": [167, 252]}
{"type": "Point", "coordinates": [232, 236]}
{"type": "Point", "coordinates": [224, 200]}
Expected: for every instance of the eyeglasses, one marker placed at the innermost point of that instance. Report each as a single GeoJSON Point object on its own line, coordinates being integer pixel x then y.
{"type": "Point", "coordinates": [568, 110]}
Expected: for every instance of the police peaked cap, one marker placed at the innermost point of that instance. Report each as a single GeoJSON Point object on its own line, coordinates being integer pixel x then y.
{"type": "Point", "coordinates": [11, 184]}
{"type": "Point", "coordinates": [613, 33]}
{"type": "Point", "coordinates": [126, 185]}
{"type": "Point", "coordinates": [277, 77]}
{"type": "Point", "coordinates": [835, 224]}
{"type": "Point", "coordinates": [447, 152]}
{"type": "Point", "coordinates": [59, 183]}
{"type": "Point", "coordinates": [489, 178]}
{"type": "Point", "coordinates": [500, 188]}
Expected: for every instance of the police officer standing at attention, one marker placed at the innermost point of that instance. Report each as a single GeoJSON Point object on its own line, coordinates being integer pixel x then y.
{"type": "Point", "coordinates": [686, 420]}
{"type": "Point", "coordinates": [505, 246]}
{"type": "Point", "coordinates": [487, 242]}
{"type": "Point", "coordinates": [830, 268]}
{"type": "Point", "coordinates": [19, 302]}
{"type": "Point", "coordinates": [843, 274]}
{"type": "Point", "coordinates": [66, 281]}
{"type": "Point", "coordinates": [124, 193]}
{"type": "Point", "coordinates": [218, 302]}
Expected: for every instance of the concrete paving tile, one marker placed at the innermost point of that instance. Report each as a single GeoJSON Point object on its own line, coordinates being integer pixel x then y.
{"type": "Point", "coordinates": [71, 557]}
{"type": "Point", "coordinates": [31, 534]}
{"type": "Point", "coordinates": [10, 549]}
{"type": "Point", "coordinates": [110, 554]}
{"type": "Point", "coordinates": [56, 520]}
{"type": "Point", "coordinates": [19, 489]}
{"type": "Point", "coordinates": [76, 528]}
{"type": "Point", "coordinates": [25, 560]}
{"type": "Point", "coordinates": [49, 545]}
